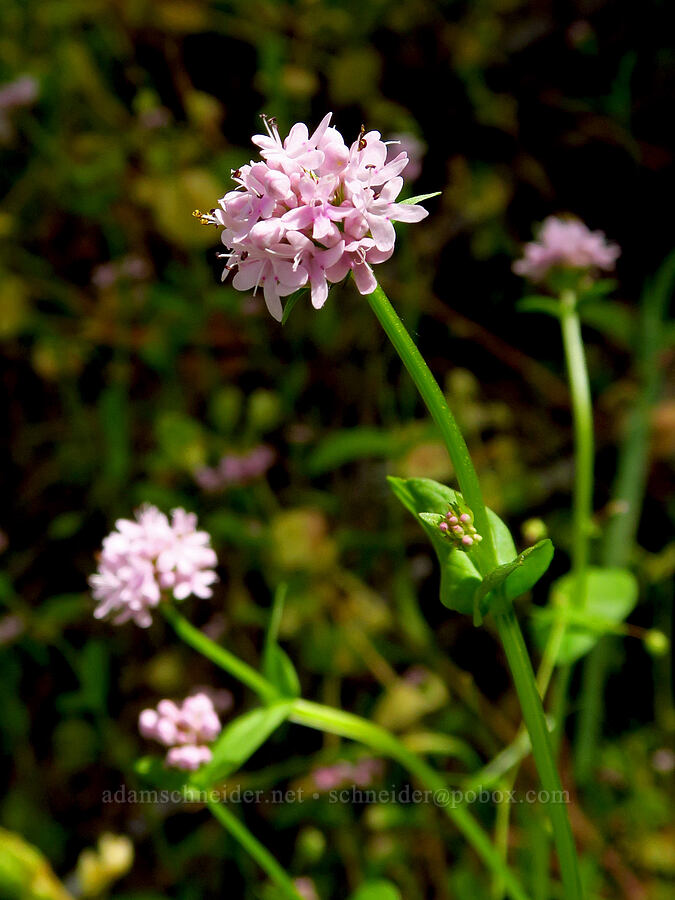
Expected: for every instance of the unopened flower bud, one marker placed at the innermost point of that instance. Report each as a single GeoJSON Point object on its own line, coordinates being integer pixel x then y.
{"type": "Point", "coordinates": [459, 527]}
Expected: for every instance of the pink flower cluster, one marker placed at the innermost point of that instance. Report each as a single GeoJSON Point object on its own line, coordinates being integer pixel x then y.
{"type": "Point", "coordinates": [235, 469]}
{"type": "Point", "coordinates": [185, 729]}
{"type": "Point", "coordinates": [143, 558]}
{"type": "Point", "coordinates": [311, 211]}
{"type": "Point", "coordinates": [566, 243]}
{"type": "Point", "coordinates": [361, 773]}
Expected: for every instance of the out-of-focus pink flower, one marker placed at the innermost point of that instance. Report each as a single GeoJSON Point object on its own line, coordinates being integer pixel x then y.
{"type": "Point", "coordinates": [413, 147]}
{"type": "Point", "coordinates": [361, 773]}
{"type": "Point", "coordinates": [310, 212]}
{"type": "Point", "coordinates": [186, 729]}
{"type": "Point", "coordinates": [12, 627]}
{"type": "Point", "coordinates": [221, 698]}
{"type": "Point", "coordinates": [235, 469]}
{"type": "Point", "coordinates": [135, 268]}
{"type": "Point", "coordinates": [144, 558]}
{"type": "Point", "coordinates": [159, 117]}
{"type": "Point", "coordinates": [306, 888]}
{"type": "Point", "coordinates": [21, 92]}
{"type": "Point", "coordinates": [189, 757]}
{"type": "Point", "coordinates": [566, 243]}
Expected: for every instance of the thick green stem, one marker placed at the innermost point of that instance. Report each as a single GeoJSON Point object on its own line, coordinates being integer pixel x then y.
{"type": "Point", "coordinates": [507, 624]}
{"type": "Point", "coordinates": [255, 849]}
{"type": "Point", "coordinates": [219, 655]}
{"type": "Point", "coordinates": [333, 721]}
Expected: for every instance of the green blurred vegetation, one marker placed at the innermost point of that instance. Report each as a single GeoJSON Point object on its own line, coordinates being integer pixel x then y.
{"type": "Point", "coordinates": [127, 366]}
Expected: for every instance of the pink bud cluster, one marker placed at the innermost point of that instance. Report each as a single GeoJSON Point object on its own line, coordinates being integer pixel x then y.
{"type": "Point", "coordinates": [185, 729]}
{"type": "Point", "coordinates": [361, 773]}
{"type": "Point", "coordinates": [566, 243]}
{"type": "Point", "coordinates": [235, 469]}
{"type": "Point", "coordinates": [459, 527]}
{"type": "Point", "coordinates": [143, 559]}
{"type": "Point", "coordinates": [311, 211]}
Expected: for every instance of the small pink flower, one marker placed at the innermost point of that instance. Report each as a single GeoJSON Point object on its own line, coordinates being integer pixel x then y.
{"type": "Point", "coordinates": [362, 773]}
{"type": "Point", "coordinates": [144, 559]}
{"type": "Point", "coordinates": [566, 243]}
{"type": "Point", "coordinates": [185, 729]}
{"type": "Point", "coordinates": [235, 469]}
{"type": "Point", "coordinates": [188, 757]}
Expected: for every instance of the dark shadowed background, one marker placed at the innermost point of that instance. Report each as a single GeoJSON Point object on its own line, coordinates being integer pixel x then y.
{"type": "Point", "coordinates": [127, 368]}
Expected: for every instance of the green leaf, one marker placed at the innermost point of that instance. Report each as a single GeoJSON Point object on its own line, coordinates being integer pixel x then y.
{"type": "Point", "coordinates": [515, 577]}
{"type": "Point", "coordinates": [433, 519]}
{"type": "Point", "coordinates": [539, 303]}
{"type": "Point", "coordinates": [532, 563]}
{"type": "Point", "coordinates": [277, 666]}
{"type": "Point", "coordinates": [611, 595]}
{"type": "Point", "coordinates": [459, 581]}
{"type": "Point", "coordinates": [598, 288]}
{"type": "Point", "coordinates": [290, 303]}
{"type": "Point", "coordinates": [616, 321]}
{"type": "Point", "coordinates": [420, 197]}
{"type": "Point", "coordinates": [281, 672]}
{"type": "Point", "coordinates": [153, 772]}
{"type": "Point", "coordinates": [239, 741]}
{"type": "Point", "coordinates": [376, 890]}
{"type": "Point", "coordinates": [351, 444]}
{"type": "Point", "coordinates": [459, 576]}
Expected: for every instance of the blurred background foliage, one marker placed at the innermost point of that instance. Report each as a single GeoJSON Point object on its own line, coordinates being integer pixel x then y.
{"type": "Point", "coordinates": [128, 369]}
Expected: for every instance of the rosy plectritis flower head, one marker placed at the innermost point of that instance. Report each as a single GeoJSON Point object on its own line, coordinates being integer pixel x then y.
{"type": "Point", "coordinates": [567, 244]}
{"type": "Point", "coordinates": [185, 729]}
{"type": "Point", "coordinates": [310, 212]}
{"type": "Point", "coordinates": [143, 559]}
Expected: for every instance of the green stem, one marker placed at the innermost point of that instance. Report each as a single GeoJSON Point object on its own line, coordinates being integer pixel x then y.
{"type": "Point", "coordinates": [219, 655]}
{"type": "Point", "coordinates": [254, 848]}
{"type": "Point", "coordinates": [582, 411]}
{"type": "Point", "coordinates": [535, 721]}
{"type": "Point", "coordinates": [582, 414]}
{"type": "Point", "coordinates": [628, 491]}
{"type": "Point", "coordinates": [334, 721]}
{"type": "Point", "coordinates": [437, 405]}
{"type": "Point", "coordinates": [486, 560]}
